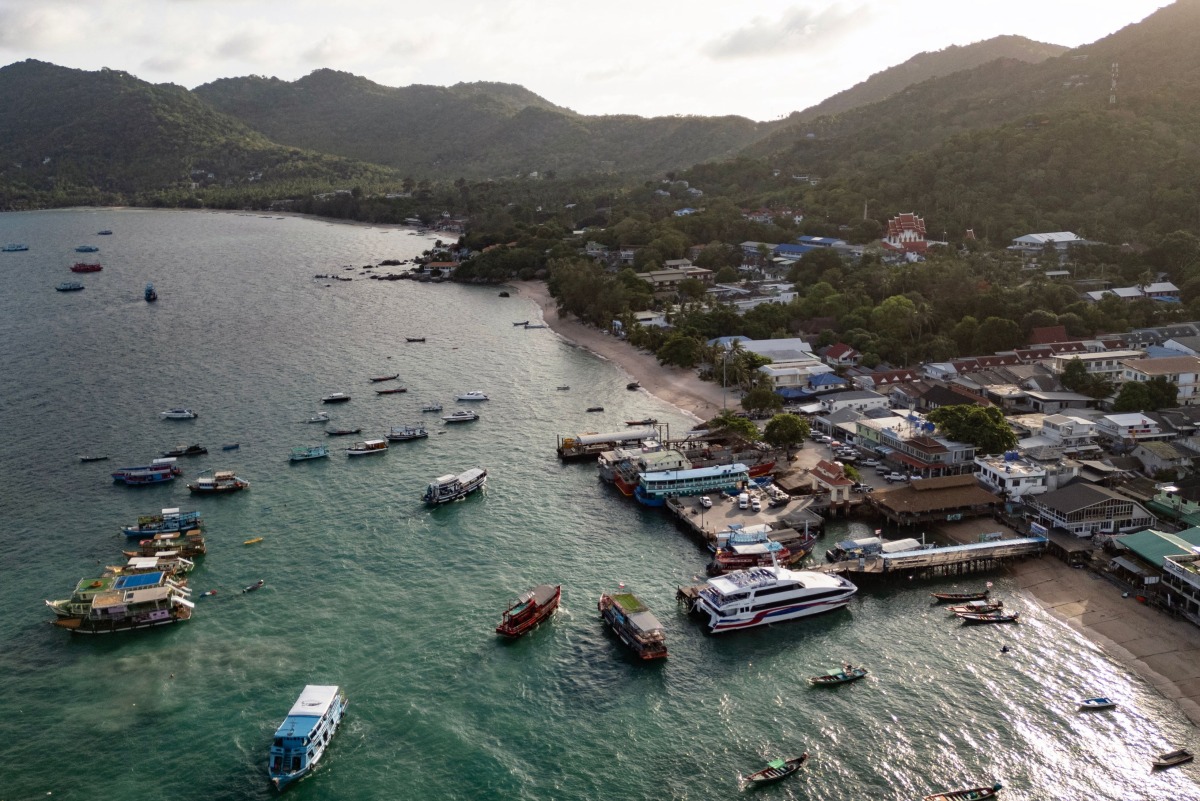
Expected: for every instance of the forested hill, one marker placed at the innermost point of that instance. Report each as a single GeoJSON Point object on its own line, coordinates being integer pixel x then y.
{"type": "Point", "coordinates": [1012, 147]}
{"type": "Point", "coordinates": [477, 130]}
{"type": "Point", "coordinates": [71, 136]}
{"type": "Point", "coordinates": [925, 66]}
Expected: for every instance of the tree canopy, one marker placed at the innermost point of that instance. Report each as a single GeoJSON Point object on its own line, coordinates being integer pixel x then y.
{"type": "Point", "coordinates": [983, 427]}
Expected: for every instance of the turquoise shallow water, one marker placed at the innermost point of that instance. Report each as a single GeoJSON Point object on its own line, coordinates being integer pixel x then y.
{"type": "Point", "coordinates": [368, 589]}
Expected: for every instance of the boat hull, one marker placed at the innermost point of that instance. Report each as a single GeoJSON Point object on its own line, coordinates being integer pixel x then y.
{"type": "Point", "coordinates": [800, 609]}
{"type": "Point", "coordinates": [516, 624]}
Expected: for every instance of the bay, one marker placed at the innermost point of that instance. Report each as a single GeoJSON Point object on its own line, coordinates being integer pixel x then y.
{"type": "Point", "coordinates": [368, 589]}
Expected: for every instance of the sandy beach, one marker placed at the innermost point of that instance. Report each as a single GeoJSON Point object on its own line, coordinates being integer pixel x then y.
{"type": "Point", "coordinates": [1164, 652]}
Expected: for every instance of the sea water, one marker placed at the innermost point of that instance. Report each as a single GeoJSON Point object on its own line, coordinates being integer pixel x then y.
{"type": "Point", "coordinates": [396, 603]}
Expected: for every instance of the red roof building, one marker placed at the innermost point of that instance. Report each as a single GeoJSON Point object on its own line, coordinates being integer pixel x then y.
{"type": "Point", "coordinates": [906, 233]}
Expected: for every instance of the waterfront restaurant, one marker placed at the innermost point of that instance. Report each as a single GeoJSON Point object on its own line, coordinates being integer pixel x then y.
{"type": "Point", "coordinates": [933, 500]}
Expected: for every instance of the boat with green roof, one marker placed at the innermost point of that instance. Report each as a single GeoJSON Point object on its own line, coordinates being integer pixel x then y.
{"type": "Point", "coordinates": [634, 623]}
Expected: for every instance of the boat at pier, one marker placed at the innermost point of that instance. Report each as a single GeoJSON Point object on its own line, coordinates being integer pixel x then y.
{"type": "Point", "coordinates": [406, 433]}
{"type": "Point", "coordinates": [988, 617]}
{"type": "Point", "coordinates": [634, 623]}
{"type": "Point", "coordinates": [69, 286]}
{"type": "Point", "coordinates": [747, 598]}
{"type": "Point", "coordinates": [843, 675]}
{"type": "Point", "coordinates": [530, 609]}
{"type": "Point", "coordinates": [168, 521]}
{"type": "Point", "coordinates": [653, 489]}
{"type": "Point", "coordinates": [445, 489]}
{"type": "Point", "coordinates": [86, 267]}
{"type": "Point", "coordinates": [976, 606]}
{"type": "Point", "coordinates": [303, 453]}
{"type": "Point", "coordinates": [302, 738]}
{"type": "Point", "coordinates": [746, 549]}
{"type": "Point", "coordinates": [215, 482]}
{"type": "Point", "coordinates": [958, 597]}
{"type": "Point", "coordinates": [123, 603]}
{"type": "Point", "coordinates": [576, 447]}
{"type": "Point", "coordinates": [968, 794]}
{"type": "Point", "coordinates": [367, 446]}
{"type": "Point", "coordinates": [777, 769]}
{"type": "Point", "coordinates": [624, 467]}
{"type": "Point", "coordinates": [1172, 758]}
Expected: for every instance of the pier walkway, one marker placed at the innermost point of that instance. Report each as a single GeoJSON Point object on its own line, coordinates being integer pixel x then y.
{"type": "Point", "coordinates": [951, 559]}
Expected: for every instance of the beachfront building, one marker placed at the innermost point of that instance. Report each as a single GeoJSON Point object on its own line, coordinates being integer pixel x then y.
{"type": "Point", "coordinates": [1011, 476]}
{"type": "Point", "coordinates": [1084, 509]}
{"type": "Point", "coordinates": [934, 500]}
{"type": "Point", "coordinates": [831, 478]}
{"type": "Point", "coordinates": [1165, 567]}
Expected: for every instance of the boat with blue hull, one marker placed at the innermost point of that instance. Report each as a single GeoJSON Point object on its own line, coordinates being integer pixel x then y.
{"type": "Point", "coordinates": [653, 489]}
{"type": "Point", "coordinates": [157, 472]}
{"type": "Point", "coordinates": [301, 740]}
{"type": "Point", "coordinates": [168, 521]}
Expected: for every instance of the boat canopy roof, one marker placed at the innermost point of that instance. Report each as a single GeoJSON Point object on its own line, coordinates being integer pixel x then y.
{"type": "Point", "coordinates": [620, 436]}
{"type": "Point", "coordinates": [697, 472]}
{"type": "Point", "coordinates": [308, 709]}
{"type": "Point", "coordinates": [645, 621]}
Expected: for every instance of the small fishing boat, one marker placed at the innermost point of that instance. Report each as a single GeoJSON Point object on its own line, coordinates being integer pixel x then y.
{"type": "Point", "coordinates": [367, 446]}
{"type": "Point", "coordinates": [1099, 702]}
{"type": "Point", "coordinates": [208, 593]}
{"type": "Point", "coordinates": [319, 417]}
{"type": "Point", "coordinates": [335, 397]}
{"type": "Point", "coordinates": [960, 597]}
{"type": "Point", "coordinates": [304, 453]}
{"type": "Point", "coordinates": [216, 482]}
{"type": "Point", "coordinates": [432, 407]}
{"type": "Point", "coordinates": [1172, 758]}
{"type": "Point", "coordinates": [178, 414]}
{"type": "Point", "coordinates": [777, 769]}
{"type": "Point", "coordinates": [252, 541]}
{"type": "Point", "coordinates": [406, 433]}
{"type": "Point", "coordinates": [105, 232]}
{"type": "Point", "coordinates": [187, 450]}
{"type": "Point", "coordinates": [531, 326]}
{"type": "Point", "coordinates": [14, 248]}
{"type": "Point", "coordinates": [69, 286]}
{"type": "Point", "coordinates": [150, 294]}
{"type": "Point", "coordinates": [504, 295]}
{"type": "Point", "coordinates": [632, 385]}
{"type": "Point", "coordinates": [377, 379]}
{"type": "Point", "coordinates": [645, 421]}
{"type": "Point", "coordinates": [255, 586]}
{"type": "Point", "coordinates": [563, 389]}
{"type": "Point", "coordinates": [341, 432]}
{"type": "Point", "coordinates": [302, 738]}
{"type": "Point", "coordinates": [414, 339]}
{"type": "Point", "coordinates": [988, 617]}
{"type": "Point", "coordinates": [86, 249]}
{"type": "Point", "coordinates": [231, 446]}
{"type": "Point", "coordinates": [977, 606]}
{"type": "Point", "coordinates": [530, 609]}
{"type": "Point", "coordinates": [445, 489]}
{"type": "Point", "coordinates": [846, 673]}
{"type": "Point", "coordinates": [392, 391]}
{"type": "Point", "coordinates": [92, 458]}
{"type": "Point", "coordinates": [461, 416]}
{"type": "Point", "coordinates": [969, 794]}
{"type": "Point", "coordinates": [523, 322]}
{"type": "Point", "coordinates": [473, 395]}
{"type": "Point", "coordinates": [85, 267]}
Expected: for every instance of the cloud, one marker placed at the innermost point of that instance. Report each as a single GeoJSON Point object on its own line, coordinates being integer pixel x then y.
{"type": "Point", "coordinates": [797, 28]}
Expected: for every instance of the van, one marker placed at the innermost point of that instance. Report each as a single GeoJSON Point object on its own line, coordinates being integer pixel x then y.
{"type": "Point", "coordinates": [744, 500]}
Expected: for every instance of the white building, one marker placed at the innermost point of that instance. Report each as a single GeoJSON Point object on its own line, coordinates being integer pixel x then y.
{"type": "Point", "coordinates": [1133, 426]}
{"type": "Point", "coordinates": [1011, 476]}
{"type": "Point", "coordinates": [1108, 364]}
{"type": "Point", "coordinates": [1182, 371]}
{"type": "Point", "coordinates": [1035, 242]}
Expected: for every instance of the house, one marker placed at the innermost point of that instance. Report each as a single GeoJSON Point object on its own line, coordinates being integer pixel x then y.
{"type": "Point", "coordinates": [794, 373]}
{"type": "Point", "coordinates": [933, 500]}
{"type": "Point", "coordinates": [910, 443]}
{"type": "Point", "coordinates": [1084, 509]}
{"type": "Point", "coordinates": [686, 212]}
{"type": "Point", "coordinates": [906, 234]}
{"type": "Point", "coordinates": [820, 241]}
{"type": "Point", "coordinates": [857, 399]}
{"type": "Point", "coordinates": [1060, 435]}
{"type": "Point", "coordinates": [830, 478]}
{"type": "Point", "coordinates": [668, 280]}
{"type": "Point", "coordinates": [1061, 240]}
{"type": "Point", "coordinates": [1182, 371]}
{"type": "Point", "coordinates": [595, 250]}
{"type": "Point", "coordinates": [1163, 291]}
{"type": "Point", "coordinates": [1163, 457]}
{"type": "Point", "coordinates": [839, 355]}
{"type": "Point", "coordinates": [1011, 476]}
{"type": "Point", "coordinates": [1108, 364]}
{"type": "Point", "coordinates": [1129, 427]}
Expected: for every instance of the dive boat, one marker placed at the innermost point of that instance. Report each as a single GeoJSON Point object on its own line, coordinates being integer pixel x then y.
{"type": "Point", "coordinates": [168, 562]}
{"type": "Point", "coordinates": [380, 378]}
{"type": "Point", "coordinates": [156, 472]}
{"type": "Point", "coordinates": [85, 267]}
{"type": "Point", "coordinates": [777, 769]}
{"type": "Point", "coordinates": [123, 603]}
{"type": "Point", "coordinates": [87, 249]}
{"type": "Point", "coordinates": [747, 598]}
{"type": "Point", "coordinates": [393, 391]}
{"type": "Point", "coordinates": [445, 489]}
{"type": "Point", "coordinates": [341, 432]}
{"type": "Point", "coordinates": [218, 481]}
{"type": "Point", "coordinates": [969, 794]}
{"type": "Point", "coordinates": [168, 521]}
{"type": "Point", "coordinates": [178, 414]}
{"type": "Point", "coordinates": [301, 740]}
{"type": "Point", "coordinates": [318, 417]}
{"type": "Point", "coordinates": [1172, 758]}
{"type": "Point", "coordinates": [634, 623]}
{"type": "Point", "coordinates": [190, 544]}
{"type": "Point", "coordinates": [1097, 703]}
{"type": "Point", "coordinates": [335, 397]}
{"type": "Point", "coordinates": [473, 395]}
{"type": "Point", "coordinates": [406, 433]}
{"type": "Point", "coordinates": [367, 446]}
{"type": "Point", "coordinates": [530, 609]}
{"type": "Point", "coordinates": [150, 294]}
{"type": "Point", "coordinates": [432, 407]}
{"type": "Point", "coordinates": [187, 450]}
{"type": "Point", "coordinates": [846, 673]}
{"type": "Point", "coordinates": [461, 416]}
{"type": "Point", "coordinates": [988, 617]}
{"type": "Point", "coordinates": [304, 453]}
{"type": "Point", "coordinates": [69, 286]}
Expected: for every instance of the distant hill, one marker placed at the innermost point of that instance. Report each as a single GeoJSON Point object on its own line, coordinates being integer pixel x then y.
{"type": "Point", "coordinates": [476, 130]}
{"type": "Point", "coordinates": [924, 66]}
{"type": "Point", "coordinates": [69, 133]}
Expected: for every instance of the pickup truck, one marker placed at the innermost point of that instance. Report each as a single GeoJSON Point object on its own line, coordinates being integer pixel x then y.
{"type": "Point", "coordinates": [894, 476]}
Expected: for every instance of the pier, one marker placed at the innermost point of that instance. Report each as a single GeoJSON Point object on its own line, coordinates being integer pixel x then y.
{"type": "Point", "coordinates": [946, 561]}
{"type": "Point", "coordinates": [579, 447]}
{"type": "Point", "coordinates": [794, 518]}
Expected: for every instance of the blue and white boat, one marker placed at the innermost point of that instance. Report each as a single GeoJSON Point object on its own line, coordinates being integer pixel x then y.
{"type": "Point", "coordinates": [302, 738]}
{"type": "Point", "coordinates": [14, 248]}
{"type": "Point", "coordinates": [169, 521]}
{"type": "Point", "coordinates": [305, 452]}
{"type": "Point", "coordinates": [87, 249]}
{"type": "Point", "coordinates": [654, 488]}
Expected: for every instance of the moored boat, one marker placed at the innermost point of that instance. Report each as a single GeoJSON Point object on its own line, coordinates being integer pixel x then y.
{"type": "Point", "coordinates": [302, 738]}
{"type": "Point", "coordinates": [14, 247]}
{"type": "Point", "coordinates": [414, 339]}
{"type": "Point", "coordinates": [654, 488]}
{"type": "Point", "coordinates": [69, 286]}
{"type": "Point", "coordinates": [748, 548]}
{"type": "Point", "coordinates": [523, 322]}
{"type": "Point", "coordinates": [634, 623]}
{"type": "Point", "coordinates": [1097, 703]}
{"type": "Point", "coordinates": [258, 585]}
{"type": "Point", "coordinates": [218, 481]}
{"type": "Point", "coordinates": [86, 267]}
{"type": "Point", "coordinates": [461, 416]}
{"type": "Point", "coordinates": [595, 408]}
{"type": "Point", "coordinates": [445, 489]}
{"type": "Point", "coordinates": [187, 450]}
{"type": "Point", "coordinates": [988, 617]}
{"type": "Point", "coordinates": [169, 562]}
{"type": "Point", "coordinates": [318, 417]}
{"type": "Point", "coordinates": [959, 597]}
{"type": "Point", "coordinates": [341, 432]}
{"type": "Point", "coordinates": [168, 521]}
{"type": "Point", "coordinates": [105, 232]}
{"type": "Point", "coordinates": [1172, 758]}
{"type": "Point", "coordinates": [473, 395]}
{"type": "Point", "coordinates": [977, 606]}
{"type": "Point", "coordinates": [335, 397]}
{"type": "Point", "coordinates": [633, 385]}
{"type": "Point", "coordinates": [303, 453]}
{"type": "Point", "coordinates": [392, 391]}
{"type": "Point", "coordinates": [123, 603]}
{"type": "Point", "coordinates": [846, 673]}
{"type": "Point", "coordinates": [157, 472]}
{"type": "Point", "coordinates": [763, 595]}
{"type": "Point", "coordinates": [406, 433]}
{"type": "Point", "coordinates": [231, 446]}
{"type": "Point", "coordinates": [367, 446]}
{"type": "Point", "coordinates": [968, 794]}
{"type": "Point", "coordinates": [178, 414]}
{"type": "Point", "coordinates": [432, 407]}
{"type": "Point", "coordinates": [87, 249]}
{"type": "Point", "coordinates": [150, 294]}
{"type": "Point", "coordinates": [380, 378]}
{"type": "Point", "coordinates": [530, 609]}
{"type": "Point", "coordinates": [190, 544]}
{"type": "Point", "coordinates": [84, 457]}
{"type": "Point", "coordinates": [645, 421]}
{"type": "Point", "coordinates": [777, 769]}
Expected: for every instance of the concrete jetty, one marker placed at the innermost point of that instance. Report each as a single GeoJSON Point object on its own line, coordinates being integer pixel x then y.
{"type": "Point", "coordinates": [948, 560]}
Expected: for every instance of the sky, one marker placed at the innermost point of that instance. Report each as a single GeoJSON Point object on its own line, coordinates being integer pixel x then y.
{"type": "Point", "coordinates": [760, 59]}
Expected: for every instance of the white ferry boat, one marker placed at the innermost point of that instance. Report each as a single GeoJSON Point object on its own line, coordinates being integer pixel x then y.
{"type": "Point", "coordinates": [302, 738]}
{"type": "Point", "coordinates": [747, 598]}
{"type": "Point", "coordinates": [445, 489]}
{"type": "Point", "coordinates": [474, 395]}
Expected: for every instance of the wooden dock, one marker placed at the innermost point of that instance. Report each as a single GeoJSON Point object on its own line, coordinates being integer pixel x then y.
{"type": "Point", "coordinates": [949, 560]}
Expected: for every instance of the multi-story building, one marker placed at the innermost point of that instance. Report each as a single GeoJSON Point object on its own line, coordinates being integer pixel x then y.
{"type": "Point", "coordinates": [1182, 371]}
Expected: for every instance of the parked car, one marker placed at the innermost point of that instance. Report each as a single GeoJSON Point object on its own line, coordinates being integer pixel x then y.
{"type": "Point", "coordinates": [869, 463]}
{"type": "Point", "coordinates": [894, 476]}
{"type": "Point", "coordinates": [755, 505]}
{"type": "Point", "coordinates": [882, 469]}
{"type": "Point", "coordinates": [744, 500]}
{"type": "Point", "coordinates": [705, 502]}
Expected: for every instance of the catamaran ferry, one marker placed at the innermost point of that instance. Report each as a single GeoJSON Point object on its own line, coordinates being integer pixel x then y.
{"type": "Point", "coordinates": [305, 733]}
{"type": "Point", "coordinates": [747, 598]}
